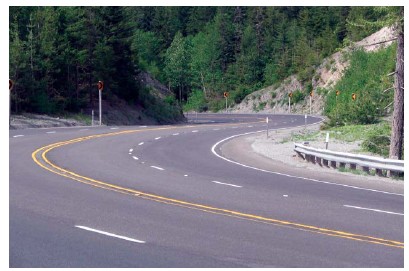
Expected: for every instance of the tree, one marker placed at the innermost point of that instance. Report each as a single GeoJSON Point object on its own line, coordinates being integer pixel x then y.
{"type": "Point", "coordinates": [177, 59]}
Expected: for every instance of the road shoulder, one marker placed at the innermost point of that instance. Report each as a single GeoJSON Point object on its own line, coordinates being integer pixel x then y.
{"type": "Point", "coordinates": [256, 150]}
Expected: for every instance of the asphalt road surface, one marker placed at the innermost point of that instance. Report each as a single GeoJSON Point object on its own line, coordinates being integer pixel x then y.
{"type": "Point", "coordinates": [160, 196]}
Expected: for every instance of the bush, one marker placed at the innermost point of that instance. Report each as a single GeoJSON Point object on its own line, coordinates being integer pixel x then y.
{"type": "Point", "coordinates": [366, 77]}
{"type": "Point", "coordinates": [196, 102]}
{"type": "Point", "coordinates": [378, 140]}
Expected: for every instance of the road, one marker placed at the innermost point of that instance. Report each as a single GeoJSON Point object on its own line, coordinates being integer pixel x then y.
{"type": "Point", "coordinates": [158, 196]}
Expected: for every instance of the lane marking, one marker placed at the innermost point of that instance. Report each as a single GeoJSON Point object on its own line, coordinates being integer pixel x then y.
{"type": "Point", "coordinates": [229, 184]}
{"type": "Point", "coordinates": [374, 210]}
{"type": "Point", "coordinates": [159, 168]}
{"type": "Point", "coordinates": [250, 126]}
{"type": "Point", "coordinates": [111, 234]}
{"type": "Point", "coordinates": [51, 132]}
{"type": "Point", "coordinates": [18, 135]}
{"type": "Point", "coordinates": [156, 138]}
{"type": "Point", "coordinates": [42, 152]}
{"type": "Point", "coordinates": [130, 150]}
{"type": "Point", "coordinates": [44, 163]}
{"type": "Point", "coordinates": [83, 130]}
{"type": "Point", "coordinates": [114, 128]}
{"type": "Point", "coordinates": [143, 126]}
{"type": "Point", "coordinates": [195, 131]}
{"type": "Point", "coordinates": [134, 157]}
{"type": "Point", "coordinates": [185, 175]}
{"type": "Point", "coordinates": [217, 129]}
{"type": "Point", "coordinates": [140, 144]}
{"type": "Point", "coordinates": [175, 134]}
{"type": "Point", "coordinates": [288, 175]}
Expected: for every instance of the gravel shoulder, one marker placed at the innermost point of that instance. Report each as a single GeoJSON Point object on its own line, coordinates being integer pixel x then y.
{"type": "Point", "coordinates": [272, 154]}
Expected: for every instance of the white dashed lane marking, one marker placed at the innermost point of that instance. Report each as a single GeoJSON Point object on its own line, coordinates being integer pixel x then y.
{"type": "Point", "coordinates": [158, 168]}
{"type": "Point", "coordinates": [238, 186]}
{"type": "Point", "coordinates": [140, 144]}
{"type": "Point", "coordinates": [111, 234]}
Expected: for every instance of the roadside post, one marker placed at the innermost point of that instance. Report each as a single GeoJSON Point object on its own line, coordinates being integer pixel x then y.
{"type": "Point", "coordinates": [326, 141]}
{"type": "Point", "coordinates": [336, 106]}
{"type": "Point", "coordinates": [289, 102]}
{"type": "Point", "coordinates": [305, 123]}
{"type": "Point", "coordinates": [100, 88]}
{"type": "Point", "coordinates": [267, 125]}
{"type": "Point", "coordinates": [226, 94]}
{"type": "Point", "coordinates": [11, 84]}
{"type": "Point", "coordinates": [92, 117]}
{"type": "Point", "coordinates": [311, 93]}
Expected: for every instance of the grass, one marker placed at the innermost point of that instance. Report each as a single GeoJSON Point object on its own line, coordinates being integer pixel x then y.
{"type": "Point", "coordinates": [349, 133]}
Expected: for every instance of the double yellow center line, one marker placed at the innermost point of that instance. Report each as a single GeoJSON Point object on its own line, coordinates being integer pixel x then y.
{"type": "Point", "coordinates": [40, 158]}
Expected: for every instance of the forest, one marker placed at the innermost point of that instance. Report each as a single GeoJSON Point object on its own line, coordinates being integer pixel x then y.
{"type": "Point", "coordinates": [58, 54]}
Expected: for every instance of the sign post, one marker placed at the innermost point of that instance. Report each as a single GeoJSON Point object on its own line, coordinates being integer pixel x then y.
{"type": "Point", "coordinates": [326, 141]}
{"type": "Point", "coordinates": [11, 84]}
{"type": "Point", "coordinates": [305, 123]}
{"type": "Point", "coordinates": [336, 106]}
{"type": "Point", "coordinates": [100, 88]}
{"type": "Point", "coordinates": [289, 102]}
{"type": "Point", "coordinates": [226, 94]}
{"type": "Point", "coordinates": [311, 93]}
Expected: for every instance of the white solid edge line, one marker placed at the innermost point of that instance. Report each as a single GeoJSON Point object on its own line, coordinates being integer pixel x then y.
{"type": "Point", "coordinates": [18, 135]}
{"type": "Point", "coordinates": [227, 184]}
{"type": "Point", "coordinates": [111, 234]}
{"type": "Point", "coordinates": [283, 174]}
{"type": "Point", "coordinates": [175, 134]}
{"type": "Point", "coordinates": [157, 167]}
{"type": "Point", "coordinates": [375, 210]}
{"type": "Point", "coordinates": [156, 138]}
{"type": "Point", "coordinates": [140, 144]}
{"type": "Point", "coordinates": [51, 132]}
{"type": "Point", "coordinates": [134, 157]}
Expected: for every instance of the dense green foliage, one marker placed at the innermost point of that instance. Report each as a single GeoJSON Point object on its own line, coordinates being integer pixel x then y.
{"type": "Point", "coordinates": [367, 77]}
{"type": "Point", "coordinates": [57, 54]}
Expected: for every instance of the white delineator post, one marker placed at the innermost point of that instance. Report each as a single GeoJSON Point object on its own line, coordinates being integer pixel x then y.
{"type": "Point", "coordinates": [267, 125]}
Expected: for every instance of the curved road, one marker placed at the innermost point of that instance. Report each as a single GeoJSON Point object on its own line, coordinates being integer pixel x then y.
{"type": "Point", "coordinates": [158, 196]}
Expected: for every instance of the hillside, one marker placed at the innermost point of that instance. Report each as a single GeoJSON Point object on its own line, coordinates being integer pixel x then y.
{"type": "Point", "coordinates": [274, 99]}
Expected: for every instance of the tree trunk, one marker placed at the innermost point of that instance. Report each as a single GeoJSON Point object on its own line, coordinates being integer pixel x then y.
{"type": "Point", "coordinates": [395, 151]}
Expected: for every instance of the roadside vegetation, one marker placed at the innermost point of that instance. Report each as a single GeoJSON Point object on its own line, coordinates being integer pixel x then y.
{"type": "Point", "coordinates": [372, 138]}
{"type": "Point", "coordinates": [367, 78]}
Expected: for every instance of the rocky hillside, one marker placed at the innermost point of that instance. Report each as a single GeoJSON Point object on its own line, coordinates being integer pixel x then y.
{"type": "Point", "coordinates": [274, 99]}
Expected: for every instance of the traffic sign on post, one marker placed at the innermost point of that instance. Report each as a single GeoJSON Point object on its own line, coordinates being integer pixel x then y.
{"type": "Point", "coordinates": [353, 96]}
{"type": "Point", "coordinates": [11, 84]}
{"type": "Point", "coordinates": [290, 94]}
{"type": "Point", "coordinates": [338, 92]}
{"type": "Point", "coordinates": [100, 85]}
{"type": "Point", "coordinates": [311, 93]}
{"type": "Point", "coordinates": [226, 94]}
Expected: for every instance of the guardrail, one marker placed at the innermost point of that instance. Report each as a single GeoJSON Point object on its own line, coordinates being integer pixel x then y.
{"type": "Point", "coordinates": [382, 167]}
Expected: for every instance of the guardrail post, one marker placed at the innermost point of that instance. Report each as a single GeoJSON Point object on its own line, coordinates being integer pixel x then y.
{"type": "Point", "coordinates": [313, 159]}
{"type": "Point", "coordinates": [352, 166]}
{"type": "Point", "coordinates": [366, 169]}
{"type": "Point", "coordinates": [342, 165]}
{"type": "Point", "coordinates": [325, 162]}
{"type": "Point", "coordinates": [379, 172]}
{"type": "Point", "coordinates": [334, 164]}
{"type": "Point", "coordinates": [318, 159]}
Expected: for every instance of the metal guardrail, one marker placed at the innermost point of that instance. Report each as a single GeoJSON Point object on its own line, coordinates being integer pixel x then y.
{"type": "Point", "coordinates": [331, 159]}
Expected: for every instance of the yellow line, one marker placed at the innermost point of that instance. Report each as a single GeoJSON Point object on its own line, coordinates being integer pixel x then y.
{"type": "Point", "coordinates": [96, 183]}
